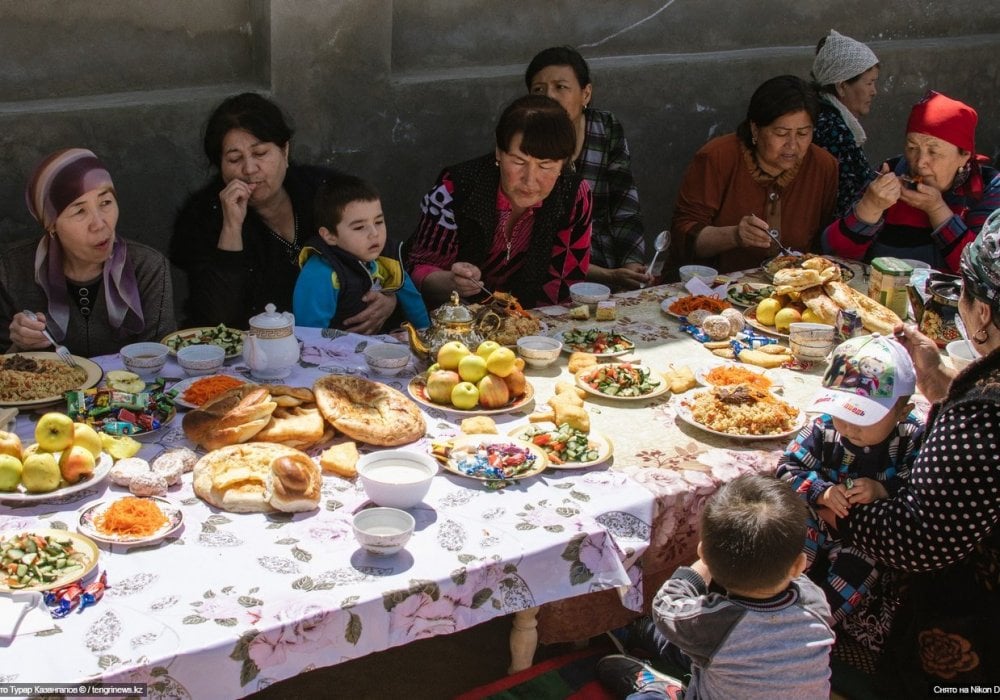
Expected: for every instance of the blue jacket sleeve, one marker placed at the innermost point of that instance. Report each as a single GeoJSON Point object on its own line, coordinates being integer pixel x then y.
{"type": "Point", "coordinates": [412, 303]}
{"type": "Point", "coordinates": [314, 301]}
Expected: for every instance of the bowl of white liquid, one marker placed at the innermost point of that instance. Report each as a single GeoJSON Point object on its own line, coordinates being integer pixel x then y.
{"type": "Point", "coordinates": [396, 478]}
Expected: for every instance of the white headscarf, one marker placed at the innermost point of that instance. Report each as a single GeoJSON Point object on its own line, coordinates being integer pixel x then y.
{"type": "Point", "coordinates": [841, 58]}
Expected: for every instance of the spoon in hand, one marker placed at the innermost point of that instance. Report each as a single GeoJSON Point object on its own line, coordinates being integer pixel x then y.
{"type": "Point", "coordinates": [660, 244]}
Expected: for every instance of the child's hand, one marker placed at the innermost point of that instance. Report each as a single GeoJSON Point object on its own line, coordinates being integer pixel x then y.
{"type": "Point", "coordinates": [828, 517]}
{"type": "Point", "coordinates": [865, 491]}
{"type": "Point", "coordinates": [835, 498]}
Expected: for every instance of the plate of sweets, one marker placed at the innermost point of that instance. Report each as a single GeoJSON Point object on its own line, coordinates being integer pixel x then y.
{"type": "Point", "coordinates": [130, 520]}
{"type": "Point", "coordinates": [139, 412]}
{"type": "Point", "coordinates": [195, 392]}
{"type": "Point", "coordinates": [492, 458]}
{"type": "Point", "coordinates": [596, 341]}
{"type": "Point", "coordinates": [742, 412]}
{"type": "Point", "coordinates": [621, 380]}
{"type": "Point", "coordinates": [44, 559]}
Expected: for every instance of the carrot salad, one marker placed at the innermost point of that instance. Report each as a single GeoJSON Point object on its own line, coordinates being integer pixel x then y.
{"type": "Point", "coordinates": [208, 388]}
{"type": "Point", "coordinates": [685, 305]}
{"type": "Point", "coordinates": [137, 517]}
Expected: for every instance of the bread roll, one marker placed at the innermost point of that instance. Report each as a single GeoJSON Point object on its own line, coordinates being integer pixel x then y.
{"type": "Point", "coordinates": [294, 484]}
{"type": "Point", "coordinates": [797, 278]}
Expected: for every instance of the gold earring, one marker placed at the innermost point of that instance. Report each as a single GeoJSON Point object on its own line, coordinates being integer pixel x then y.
{"type": "Point", "coordinates": [986, 335]}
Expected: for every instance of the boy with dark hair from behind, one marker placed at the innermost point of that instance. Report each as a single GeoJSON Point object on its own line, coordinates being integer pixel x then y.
{"type": "Point", "coordinates": [345, 259]}
{"type": "Point", "coordinates": [761, 632]}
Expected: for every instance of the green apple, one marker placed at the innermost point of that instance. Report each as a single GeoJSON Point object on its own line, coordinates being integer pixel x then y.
{"type": "Point", "coordinates": [451, 353]}
{"type": "Point", "coordinates": [472, 368]}
{"type": "Point", "coordinates": [10, 472]}
{"type": "Point", "coordinates": [501, 362]}
{"type": "Point", "coordinates": [54, 432]}
{"type": "Point", "coordinates": [85, 436]}
{"type": "Point", "coordinates": [75, 463]}
{"type": "Point", "coordinates": [486, 347]}
{"type": "Point", "coordinates": [40, 473]}
{"type": "Point", "coordinates": [465, 396]}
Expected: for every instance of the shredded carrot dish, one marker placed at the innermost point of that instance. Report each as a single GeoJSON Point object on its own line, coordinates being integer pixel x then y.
{"type": "Point", "coordinates": [685, 305]}
{"type": "Point", "coordinates": [131, 516]}
{"type": "Point", "coordinates": [728, 376]}
{"type": "Point", "coordinates": [208, 388]}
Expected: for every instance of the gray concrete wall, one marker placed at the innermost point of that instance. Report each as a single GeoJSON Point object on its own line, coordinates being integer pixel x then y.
{"type": "Point", "coordinates": [394, 90]}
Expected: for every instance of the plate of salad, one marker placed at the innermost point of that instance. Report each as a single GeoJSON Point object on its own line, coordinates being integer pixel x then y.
{"type": "Point", "coordinates": [229, 339]}
{"type": "Point", "coordinates": [566, 447]}
{"type": "Point", "coordinates": [621, 380]}
{"type": "Point", "coordinates": [597, 341]}
{"type": "Point", "coordinates": [748, 293]}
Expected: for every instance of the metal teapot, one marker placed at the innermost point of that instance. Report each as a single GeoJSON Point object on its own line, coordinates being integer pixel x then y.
{"type": "Point", "coordinates": [271, 349]}
{"type": "Point", "coordinates": [452, 321]}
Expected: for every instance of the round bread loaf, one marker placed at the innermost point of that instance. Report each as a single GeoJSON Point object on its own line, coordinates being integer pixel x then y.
{"type": "Point", "coordinates": [368, 411]}
{"type": "Point", "coordinates": [293, 484]}
{"type": "Point", "coordinates": [241, 478]}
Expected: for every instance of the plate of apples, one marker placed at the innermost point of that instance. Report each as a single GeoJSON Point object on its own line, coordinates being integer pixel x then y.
{"type": "Point", "coordinates": [65, 458]}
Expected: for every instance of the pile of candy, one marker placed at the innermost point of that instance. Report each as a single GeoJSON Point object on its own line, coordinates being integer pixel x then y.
{"type": "Point", "coordinates": [493, 461]}
{"type": "Point", "coordinates": [62, 601]}
{"type": "Point", "coordinates": [120, 412]}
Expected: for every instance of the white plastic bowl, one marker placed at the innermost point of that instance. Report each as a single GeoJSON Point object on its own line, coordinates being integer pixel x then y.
{"type": "Point", "coordinates": [702, 272]}
{"type": "Point", "coordinates": [811, 342]}
{"type": "Point", "coordinates": [588, 293]}
{"type": "Point", "coordinates": [960, 353]}
{"type": "Point", "coordinates": [538, 350]}
{"type": "Point", "coordinates": [387, 359]}
{"type": "Point", "coordinates": [145, 359]}
{"type": "Point", "coordinates": [383, 531]}
{"type": "Point", "coordinates": [396, 478]}
{"type": "Point", "coordinates": [201, 359]}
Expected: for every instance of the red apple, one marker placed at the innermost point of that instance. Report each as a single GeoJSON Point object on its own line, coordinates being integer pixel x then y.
{"type": "Point", "coordinates": [493, 392]}
{"type": "Point", "coordinates": [10, 444]}
{"type": "Point", "coordinates": [75, 463]}
{"type": "Point", "coordinates": [439, 385]}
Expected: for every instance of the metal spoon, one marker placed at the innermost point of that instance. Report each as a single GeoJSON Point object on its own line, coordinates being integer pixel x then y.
{"type": "Point", "coordinates": [661, 243]}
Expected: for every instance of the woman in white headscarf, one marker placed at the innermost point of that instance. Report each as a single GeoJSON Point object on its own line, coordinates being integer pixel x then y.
{"type": "Point", "coordinates": [845, 73]}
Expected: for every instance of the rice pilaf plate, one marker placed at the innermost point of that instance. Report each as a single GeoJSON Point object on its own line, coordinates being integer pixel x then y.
{"type": "Point", "coordinates": [741, 412]}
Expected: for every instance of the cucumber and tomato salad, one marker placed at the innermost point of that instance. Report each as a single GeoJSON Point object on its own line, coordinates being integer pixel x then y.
{"type": "Point", "coordinates": [622, 379]}
{"type": "Point", "coordinates": [562, 445]}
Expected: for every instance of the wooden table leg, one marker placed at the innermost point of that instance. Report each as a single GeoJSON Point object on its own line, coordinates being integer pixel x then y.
{"type": "Point", "coordinates": [523, 639]}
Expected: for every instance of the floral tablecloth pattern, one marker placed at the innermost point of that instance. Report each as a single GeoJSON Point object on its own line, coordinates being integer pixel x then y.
{"type": "Point", "coordinates": [234, 602]}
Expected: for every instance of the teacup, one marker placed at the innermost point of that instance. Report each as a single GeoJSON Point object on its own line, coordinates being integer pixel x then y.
{"type": "Point", "coordinates": [811, 342]}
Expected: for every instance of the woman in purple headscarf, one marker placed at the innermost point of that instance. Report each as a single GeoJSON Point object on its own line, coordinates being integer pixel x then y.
{"type": "Point", "coordinates": [93, 290]}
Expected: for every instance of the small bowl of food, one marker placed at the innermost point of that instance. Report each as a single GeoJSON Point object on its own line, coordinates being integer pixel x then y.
{"type": "Point", "coordinates": [145, 359]}
{"type": "Point", "coordinates": [383, 531]}
{"type": "Point", "coordinates": [704, 273]}
{"type": "Point", "coordinates": [387, 359]}
{"type": "Point", "coordinates": [196, 360]}
{"type": "Point", "coordinates": [589, 293]}
{"type": "Point", "coordinates": [396, 478]}
{"type": "Point", "coordinates": [960, 353]}
{"type": "Point", "coordinates": [539, 350]}
{"type": "Point", "coordinates": [811, 342]}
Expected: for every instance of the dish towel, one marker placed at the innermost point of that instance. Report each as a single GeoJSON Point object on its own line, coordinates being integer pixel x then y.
{"type": "Point", "coordinates": [22, 613]}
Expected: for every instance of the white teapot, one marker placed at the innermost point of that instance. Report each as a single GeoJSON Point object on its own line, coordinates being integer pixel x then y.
{"type": "Point", "coordinates": [271, 348]}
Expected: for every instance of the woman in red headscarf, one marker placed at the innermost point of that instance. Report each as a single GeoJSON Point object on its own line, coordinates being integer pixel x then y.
{"type": "Point", "coordinates": [930, 202]}
{"type": "Point", "coordinates": [92, 289]}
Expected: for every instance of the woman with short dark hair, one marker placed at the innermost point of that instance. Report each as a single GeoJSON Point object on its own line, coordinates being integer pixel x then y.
{"type": "Point", "coordinates": [238, 238]}
{"type": "Point", "coordinates": [766, 179]}
{"type": "Point", "coordinates": [515, 220]}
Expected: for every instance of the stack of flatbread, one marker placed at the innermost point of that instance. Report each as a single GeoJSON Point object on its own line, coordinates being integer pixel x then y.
{"type": "Point", "coordinates": [264, 413]}
{"type": "Point", "coordinates": [818, 284]}
{"type": "Point", "coordinates": [258, 477]}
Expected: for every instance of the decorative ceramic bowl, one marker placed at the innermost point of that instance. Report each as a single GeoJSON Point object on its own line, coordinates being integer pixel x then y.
{"type": "Point", "coordinates": [589, 293]}
{"type": "Point", "coordinates": [811, 342]}
{"type": "Point", "coordinates": [145, 359]}
{"type": "Point", "coordinates": [538, 350]}
{"type": "Point", "coordinates": [704, 273]}
{"type": "Point", "coordinates": [396, 478]}
{"type": "Point", "coordinates": [201, 359]}
{"type": "Point", "coordinates": [387, 359]}
{"type": "Point", "coordinates": [383, 531]}
{"type": "Point", "coordinates": [961, 354]}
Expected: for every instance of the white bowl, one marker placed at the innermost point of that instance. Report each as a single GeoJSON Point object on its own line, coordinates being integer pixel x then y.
{"type": "Point", "coordinates": [588, 293]}
{"type": "Point", "coordinates": [145, 359]}
{"type": "Point", "coordinates": [201, 359]}
{"type": "Point", "coordinates": [387, 359]}
{"type": "Point", "coordinates": [383, 531]}
{"type": "Point", "coordinates": [539, 350]}
{"type": "Point", "coordinates": [960, 353]}
{"type": "Point", "coordinates": [811, 342]}
{"type": "Point", "coordinates": [396, 478]}
{"type": "Point", "coordinates": [704, 273]}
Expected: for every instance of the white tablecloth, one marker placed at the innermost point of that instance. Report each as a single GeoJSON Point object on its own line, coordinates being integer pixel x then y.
{"type": "Point", "coordinates": [233, 602]}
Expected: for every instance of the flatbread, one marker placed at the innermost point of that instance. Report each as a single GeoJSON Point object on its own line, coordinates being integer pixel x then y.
{"type": "Point", "coordinates": [296, 426]}
{"type": "Point", "coordinates": [235, 478]}
{"type": "Point", "coordinates": [368, 411]}
{"type": "Point", "coordinates": [231, 417]}
{"type": "Point", "coordinates": [874, 317]}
